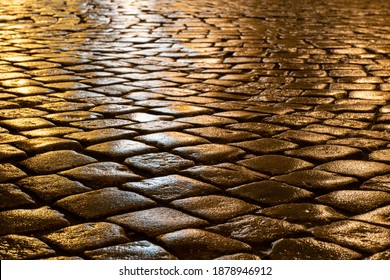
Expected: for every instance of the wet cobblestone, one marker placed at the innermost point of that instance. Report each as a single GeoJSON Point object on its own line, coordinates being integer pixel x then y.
{"type": "Point", "coordinates": [194, 130]}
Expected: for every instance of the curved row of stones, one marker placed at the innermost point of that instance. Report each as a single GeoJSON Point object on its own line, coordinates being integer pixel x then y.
{"type": "Point", "coordinates": [174, 130]}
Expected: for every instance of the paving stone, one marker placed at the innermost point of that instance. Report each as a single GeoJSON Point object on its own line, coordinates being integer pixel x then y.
{"type": "Point", "coordinates": [51, 187]}
{"type": "Point", "coordinates": [239, 257]}
{"type": "Point", "coordinates": [378, 216]}
{"type": "Point", "coordinates": [9, 173]}
{"type": "Point", "coordinates": [331, 130]}
{"type": "Point", "coordinates": [183, 110]}
{"type": "Point", "coordinates": [101, 174]}
{"type": "Point", "coordinates": [100, 123]}
{"type": "Point", "coordinates": [6, 138]}
{"type": "Point", "coordinates": [325, 152]}
{"type": "Point", "coordinates": [11, 197]}
{"type": "Point", "coordinates": [72, 116]}
{"type": "Point", "coordinates": [303, 213]}
{"type": "Point", "coordinates": [207, 120]}
{"type": "Point", "coordinates": [360, 143]}
{"type": "Point", "coordinates": [159, 163]}
{"type": "Point", "coordinates": [101, 135]}
{"type": "Point", "coordinates": [158, 126]}
{"type": "Point", "coordinates": [256, 230]}
{"type": "Point", "coordinates": [52, 162]}
{"type": "Point", "coordinates": [224, 175]}
{"type": "Point", "coordinates": [115, 109]}
{"type": "Point", "coordinates": [291, 120]}
{"type": "Point", "coordinates": [304, 137]}
{"type": "Point", "coordinates": [31, 220]}
{"type": "Point", "coordinates": [104, 81]}
{"type": "Point", "coordinates": [309, 248]}
{"type": "Point", "coordinates": [120, 148]}
{"type": "Point", "coordinates": [8, 152]}
{"type": "Point", "coordinates": [200, 244]}
{"type": "Point", "coordinates": [50, 132]}
{"type": "Point", "coordinates": [86, 236]}
{"type": "Point", "coordinates": [21, 113]}
{"type": "Point", "coordinates": [136, 250]}
{"type": "Point", "coordinates": [355, 201]}
{"type": "Point", "coordinates": [30, 90]}
{"type": "Point", "coordinates": [271, 192]}
{"type": "Point", "coordinates": [46, 144]}
{"type": "Point", "coordinates": [266, 145]}
{"type": "Point", "coordinates": [357, 168]}
{"type": "Point", "coordinates": [157, 221]}
{"type": "Point", "coordinates": [381, 155]}
{"type": "Point", "coordinates": [317, 180]}
{"type": "Point", "coordinates": [380, 183]}
{"type": "Point", "coordinates": [171, 139]}
{"type": "Point", "coordinates": [145, 117]}
{"type": "Point", "coordinates": [222, 135]}
{"type": "Point", "coordinates": [26, 123]}
{"type": "Point", "coordinates": [209, 153]}
{"type": "Point", "coordinates": [355, 235]}
{"type": "Point", "coordinates": [263, 129]}
{"type": "Point", "coordinates": [275, 164]}
{"type": "Point", "coordinates": [385, 255]}
{"type": "Point", "coordinates": [214, 208]}
{"type": "Point", "coordinates": [171, 187]}
{"type": "Point", "coordinates": [241, 115]}
{"type": "Point", "coordinates": [105, 202]}
{"type": "Point", "coordinates": [18, 247]}
{"type": "Point", "coordinates": [65, 106]}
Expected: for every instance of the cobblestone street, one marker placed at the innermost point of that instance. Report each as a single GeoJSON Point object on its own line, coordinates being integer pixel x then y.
{"type": "Point", "coordinates": [208, 129]}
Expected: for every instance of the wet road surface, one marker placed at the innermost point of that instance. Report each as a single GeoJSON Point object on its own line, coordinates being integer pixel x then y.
{"type": "Point", "coordinates": [194, 130]}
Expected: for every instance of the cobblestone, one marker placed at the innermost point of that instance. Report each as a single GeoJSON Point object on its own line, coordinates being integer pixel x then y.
{"type": "Point", "coordinates": [219, 129]}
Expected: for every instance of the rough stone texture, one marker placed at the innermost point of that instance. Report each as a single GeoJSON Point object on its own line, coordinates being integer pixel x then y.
{"type": "Point", "coordinates": [224, 175]}
{"type": "Point", "coordinates": [8, 152]}
{"type": "Point", "coordinates": [52, 162]}
{"type": "Point", "coordinates": [213, 207]}
{"type": "Point", "coordinates": [378, 216]}
{"type": "Point", "coordinates": [316, 180]}
{"type": "Point", "coordinates": [137, 250]}
{"type": "Point", "coordinates": [385, 255]}
{"type": "Point", "coordinates": [275, 164]}
{"type": "Point", "coordinates": [51, 187]}
{"type": "Point", "coordinates": [9, 172]}
{"type": "Point", "coordinates": [257, 230]}
{"type": "Point", "coordinates": [12, 197]}
{"type": "Point", "coordinates": [157, 221]}
{"type": "Point", "coordinates": [310, 249]}
{"type": "Point", "coordinates": [356, 235]}
{"type": "Point", "coordinates": [325, 152]}
{"type": "Point", "coordinates": [26, 220]}
{"type": "Point", "coordinates": [266, 145]}
{"type": "Point", "coordinates": [239, 257]}
{"type": "Point", "coordinates": [159, 163]}
{"type": "Point", "coordinates": [18, 247]}
{"type": "Point", "coordinates": [86, 236]}
{"type": "Point", "coordinates": [358, 168]}
{"type": "Point", "coordinates": [271, 192]}
{"type": "Point", "coordinates": [303, 213]}
{"type": "Point", "coordinates": [100, 203]}
{"type": "Point", "coordinates": [171, 187]}
{"type": "Point", "coordinates": [355, 201]}
{"type": "Point", "coordinates": [172, 139]}
{"type": "Point", "coordinates": [102, 174]}
{"type": "Point", "coordinates": [200, 244]}
{"type": "Point", "coordinates": [120, 149]}
{"type": "Point", "coordinates": [210, 153]}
